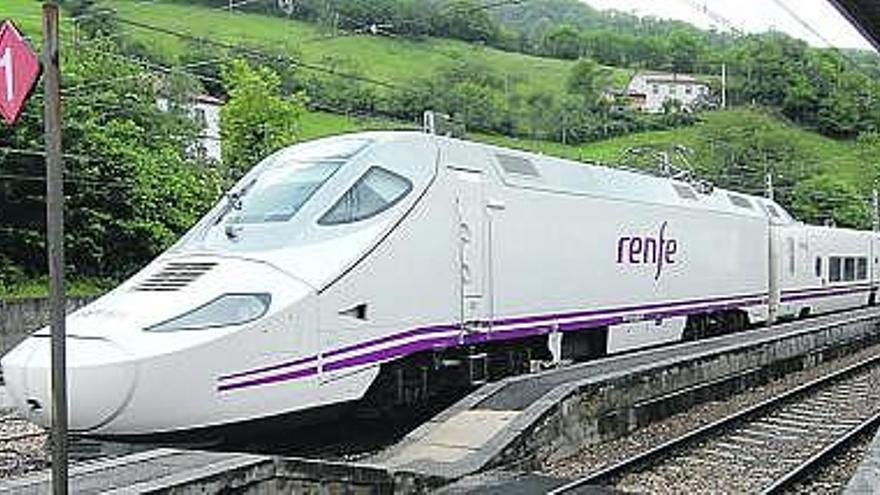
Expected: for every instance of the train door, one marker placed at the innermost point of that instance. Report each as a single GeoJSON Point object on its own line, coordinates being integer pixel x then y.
{"type": "Point", "coordinates": [874, 263]}
{"type": "Point", "coordinates": [774, 250]}
{"type": "Point", "coordinates": [471, 243]}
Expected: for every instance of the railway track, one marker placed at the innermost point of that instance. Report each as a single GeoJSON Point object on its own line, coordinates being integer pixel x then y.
{"type": "Point", "coordinates": [765, 448]}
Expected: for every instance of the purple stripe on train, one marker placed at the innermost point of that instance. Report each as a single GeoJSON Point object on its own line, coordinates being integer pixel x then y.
{"type": "Point", "coordinates": [290, 375]}
{"type": "Point", "coordinates": [509, 321]}
{"type": "Point", "coordinates": [273, 367]}
{"type": "Point", "coordinates": [480, 337]}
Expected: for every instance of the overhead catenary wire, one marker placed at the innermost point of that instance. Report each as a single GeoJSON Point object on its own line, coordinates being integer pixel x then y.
{"type": "Point", "coordinates": [68, 180]}
{"type": "Point", "coordinates": [151, 65]}
{"type": "Point", "coordinates": [247, 50]}
{"type": "Point", "coordinates": [794, 15]}
{"type": "Point", "coordinates": [797, 18]}
{"type": "Point", "coordinates": [377, 28]}
{"type": "Point", "coordinates": [260, 53]}
{"type": "Point", "coordinates": [42, 153]}
{"type": "Point", "coordinates": [138, 6]}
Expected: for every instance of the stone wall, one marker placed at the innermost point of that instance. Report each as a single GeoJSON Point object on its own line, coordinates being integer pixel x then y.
{"type": "Point", "coordinates": [20, 317]}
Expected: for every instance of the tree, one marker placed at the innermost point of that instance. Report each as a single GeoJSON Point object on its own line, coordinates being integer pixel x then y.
{"type": "Point", "coordinates": [825, 197]}
{"type": "Point", "coordinates": [341, 94]}
{"type": "Point", "coordinates": [480, 107]}
{"type": "Point", "coordinates": [588, 79]}
{"type": "Point", "coordinates": [131, 186]}
{"type": "Point", "coordinates": [563, 42]}
{"type": "Point", "coordinates": [466, 20]}
{"type": "Point", "coordinates": [685, 49]}
{"type": "Point", "coordinates": [257, 119]}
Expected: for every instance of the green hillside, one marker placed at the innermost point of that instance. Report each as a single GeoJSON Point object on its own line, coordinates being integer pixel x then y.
{"type": "Point", "coordinates": [855, 162]}
{"type": "Point", "coordinates": [401, 59]}
{"type": "Point", "coordinates": [136, 188]}
{"type": "Point", "coordinates": [851, 160]}
{"type": "Point", "coordinates": [389, 59]}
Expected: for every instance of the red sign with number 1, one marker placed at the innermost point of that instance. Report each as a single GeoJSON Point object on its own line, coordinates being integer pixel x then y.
{"type": "Point", "coordinates": [19, 69]}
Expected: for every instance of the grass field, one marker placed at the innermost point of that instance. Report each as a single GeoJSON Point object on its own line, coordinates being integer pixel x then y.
{"type": "Point", "coordinates": [847, 159]}
{"type": "Point", "coordinates": [395, 60]}
{"type": "Point", "coordinates": [40, 287]}
{"type": "Point", "coordinates": [399, 60]}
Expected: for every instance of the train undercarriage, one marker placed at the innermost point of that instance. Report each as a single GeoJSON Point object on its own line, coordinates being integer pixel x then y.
{"type": "Point", "coordinates": [420, 379]}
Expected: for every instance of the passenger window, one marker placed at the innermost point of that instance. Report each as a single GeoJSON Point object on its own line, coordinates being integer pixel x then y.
{"type": "Point", "coordinates": [862, 269]}
{"type": "Point", "coordinates": [818, 266]}
{"type": "Point", "coordinates": [849, 269]}
{"type": "Point", "coordinates": [791, 263]}
{"type": "Point", "coordinates": [834, 269]}
{"type": "Point", "coordinates": [376, 191]}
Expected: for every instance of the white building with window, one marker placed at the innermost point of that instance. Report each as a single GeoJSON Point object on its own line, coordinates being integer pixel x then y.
{"type": "Point", "coordinates": [205, 111]}
{"type": "Point", "coordinates": [649, 91]}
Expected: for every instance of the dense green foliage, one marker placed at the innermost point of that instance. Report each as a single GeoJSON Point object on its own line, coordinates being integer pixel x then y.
{"type": "Point", "coordinates": [825, 197]}
{"type": "Point", "coordinates": [131, 187]}
{"type": "Point", "coordinates": [536, 75]}
{"type": "Point", "coordinates": [256, 120]}
{"type": "Point", "coordinates": [817, 88]}
{"type": "Point", "coordinates": [735, 148]}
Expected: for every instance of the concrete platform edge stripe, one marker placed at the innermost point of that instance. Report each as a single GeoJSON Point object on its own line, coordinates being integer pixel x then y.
{"type": "Point", "coordinates": [427, 330]}
{"type": "Point", "coordinates": [385, 354]}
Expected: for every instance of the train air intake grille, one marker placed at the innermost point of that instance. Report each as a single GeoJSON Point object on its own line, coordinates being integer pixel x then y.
{"type": "Point", "coordinates": [174, 276]}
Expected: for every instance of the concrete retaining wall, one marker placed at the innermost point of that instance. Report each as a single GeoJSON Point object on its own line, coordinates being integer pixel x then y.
{"type": "Point", "coordinates": [20, 317]}
{"type": "Point", "coordinates": [257, 475]}
{"type": "Point", "coordinates": [591, 411]}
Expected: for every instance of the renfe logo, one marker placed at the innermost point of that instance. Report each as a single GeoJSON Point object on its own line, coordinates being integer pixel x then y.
{"type": "Point", "coordinates": [647, 250]}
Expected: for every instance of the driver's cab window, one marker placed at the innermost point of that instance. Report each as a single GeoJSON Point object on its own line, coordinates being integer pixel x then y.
{"type": "Point", "coordinates": [289, 178]}
{"type": "Point", "coordinates": [376, 191]}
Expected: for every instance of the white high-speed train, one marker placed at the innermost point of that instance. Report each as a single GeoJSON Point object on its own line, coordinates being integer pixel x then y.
{"type": "Point", "coordinates": [381, 268]}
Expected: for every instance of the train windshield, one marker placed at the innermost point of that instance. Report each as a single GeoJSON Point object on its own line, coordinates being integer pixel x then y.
{"type": "Point", "coordinates": [287, 180]}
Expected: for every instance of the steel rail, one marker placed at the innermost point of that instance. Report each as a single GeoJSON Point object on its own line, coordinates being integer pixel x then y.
{"type": "Point", "coordinates": [655, 453]}
{"type": "Point", "coordinates": [22, 436]}
{"type": "Point", "coordinates": [806, 468]}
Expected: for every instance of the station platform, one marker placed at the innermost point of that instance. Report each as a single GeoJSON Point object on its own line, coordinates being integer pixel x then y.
{"type": "Point", "coordinates": [522, 422]}
{"type": "Point", "coordinates": [146, 472]}
{"type": "Point", "coordinates": [866, 480]}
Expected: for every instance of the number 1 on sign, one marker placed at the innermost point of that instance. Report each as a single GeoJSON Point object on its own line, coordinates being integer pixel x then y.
{"type": "Point", "coordinates": [6, 65]}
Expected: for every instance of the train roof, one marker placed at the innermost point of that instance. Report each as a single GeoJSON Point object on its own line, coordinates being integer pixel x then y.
{"type": "Point", "coordinates": [528, 170]}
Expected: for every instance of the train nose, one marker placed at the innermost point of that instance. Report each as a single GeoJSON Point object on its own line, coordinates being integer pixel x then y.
{"type": "Point", "coordinates": [100, 379]}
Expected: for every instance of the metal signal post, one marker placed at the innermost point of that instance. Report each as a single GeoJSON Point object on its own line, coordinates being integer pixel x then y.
{"type": "Point", "coordinates": [875, 211]}
{"type": "Point", "coordinates": [55, 234]}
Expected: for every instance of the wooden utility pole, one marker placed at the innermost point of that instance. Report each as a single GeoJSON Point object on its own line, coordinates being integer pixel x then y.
{"type": "Point", "coordinates": [55, 235]}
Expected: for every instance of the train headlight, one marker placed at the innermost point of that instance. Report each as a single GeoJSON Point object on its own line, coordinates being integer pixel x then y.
{"type": "Point", "coordinates": [226, 310]}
